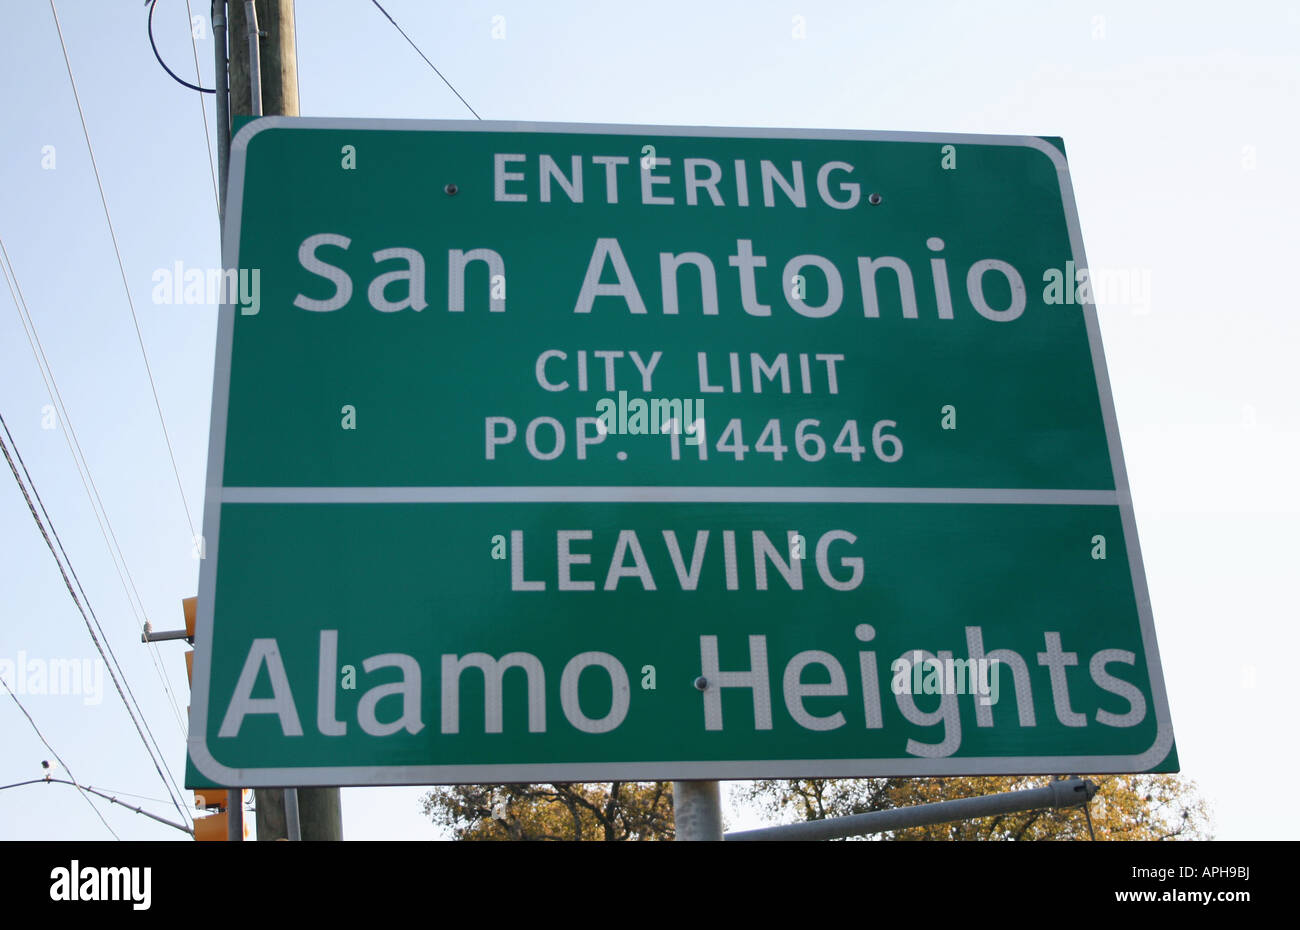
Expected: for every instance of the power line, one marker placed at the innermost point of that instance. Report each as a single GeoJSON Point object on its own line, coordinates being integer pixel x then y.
{"type": "Point", "coordinates": [203, 110]}
{"type": "Point", "coordinates": [83, 471]}
{"type": "Point", "coordinates": [121, 266]}
{"type": "Point", "coordinates": [68, 561]}
{"type": "Point", "coordinates": [55, 754]}
{"type": "Point", "coordinates": [176, 77]}
{"type": "Point", "coordinates": [129, 794]}
{"type": "Point", "coordinates": [422, 55]}
{"type": "Point", "coordinates": [103, 794]}
{"type": "Point", "coordinates": [110, 665]}
{"type": "Point", "coordinates": [90, 628]}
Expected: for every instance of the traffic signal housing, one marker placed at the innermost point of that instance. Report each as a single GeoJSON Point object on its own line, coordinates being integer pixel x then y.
{"type": "Point", "coordinates": [214, 827]}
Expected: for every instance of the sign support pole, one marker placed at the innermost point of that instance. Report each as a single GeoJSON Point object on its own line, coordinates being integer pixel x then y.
{"type": "Point", "coordinates": [221, 80]}
{"type": "Point", "coordinates": [269, 86]}
{"type": "Point", "coordinates": [222, 84]}
{"type": "Point", "coordinates": [292, 822]}
{"type": "Point", "coordinates": [697, 811]}
{"type": "Point", "coordinates": [254, 59]}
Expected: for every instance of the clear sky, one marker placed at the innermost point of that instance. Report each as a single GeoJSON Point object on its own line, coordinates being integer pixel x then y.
{"type": "Point", "coordinates": [1179, 124]}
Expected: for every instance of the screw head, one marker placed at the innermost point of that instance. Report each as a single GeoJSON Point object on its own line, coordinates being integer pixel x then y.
{"type": "Point", "coordinates": [874, 199]}
{"type": "Point", "coordinates": [451, 190]}
{"type": "Point", "coordinates": [701, 683]}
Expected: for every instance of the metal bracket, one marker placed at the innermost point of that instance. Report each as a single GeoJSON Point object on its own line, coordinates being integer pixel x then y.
{"type": "Point", "coordinates": [254, 59]}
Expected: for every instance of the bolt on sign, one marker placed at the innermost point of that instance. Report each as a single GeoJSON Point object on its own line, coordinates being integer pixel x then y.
{"type": "Point", "coordinates": [570, 452]}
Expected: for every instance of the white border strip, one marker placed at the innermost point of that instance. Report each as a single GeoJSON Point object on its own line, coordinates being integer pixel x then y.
{"type": "Point", "coordinates": [664, 494]}
{"type": "Point", "coordinates": [435, 774]}
{"type": "Point", "coordinates": [726, 769]}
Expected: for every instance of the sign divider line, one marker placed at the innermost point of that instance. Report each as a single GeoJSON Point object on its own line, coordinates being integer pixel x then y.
{"type": "Point", "coordinates": [659, 494]}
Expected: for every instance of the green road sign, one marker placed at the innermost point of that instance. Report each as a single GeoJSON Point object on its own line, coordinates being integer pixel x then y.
{"type": "Point", "coordinates": [563, 452]}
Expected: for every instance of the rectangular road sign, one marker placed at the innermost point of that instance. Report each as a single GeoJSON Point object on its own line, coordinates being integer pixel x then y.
{"type": "Point", "coordinates": [565, 452]}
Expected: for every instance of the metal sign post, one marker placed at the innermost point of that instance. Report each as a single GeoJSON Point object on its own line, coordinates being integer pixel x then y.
{"type": "Point", "coordinates": [697, 810]}
{"type": "Point", "coordinates": [292, 820]}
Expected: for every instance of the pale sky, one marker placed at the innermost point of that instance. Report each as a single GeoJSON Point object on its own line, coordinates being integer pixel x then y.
{"type": "Point", "coordinates": [1178, 122]}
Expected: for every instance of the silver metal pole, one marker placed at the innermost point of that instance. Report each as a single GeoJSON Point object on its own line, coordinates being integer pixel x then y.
{"type": "Point", "coordinates": [223, 99]}
{"type": "Point", "coordinates": [152, 637]}
{"type": "Point", "coordinates": [221, 81]}
{"type": "Point", "coordinates": [292, 822]}
{"type": "Point", "coordinates": [1068, 793]}
{"type": "Point", "coordinates": [254, 59]}
{"type": "Point", "coordinates": [235, 815]}
{"type": "Point", "coordinates": [108, 797]}
{"type": "Point", "coordinates": [697, 810]}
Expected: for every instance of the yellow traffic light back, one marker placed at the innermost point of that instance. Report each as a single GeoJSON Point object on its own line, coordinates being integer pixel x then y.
{"type": "Point", "coordinates": [191, 607]}
{"type": "Point", "coordinates": [213, 828]}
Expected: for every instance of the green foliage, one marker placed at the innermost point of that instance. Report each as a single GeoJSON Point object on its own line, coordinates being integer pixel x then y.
{"type": "Point", "coordinates": [1127, 807]}
{"type": "Point", "coordinates": [619, 811]}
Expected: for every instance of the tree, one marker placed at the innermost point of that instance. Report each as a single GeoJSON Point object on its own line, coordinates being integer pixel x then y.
{"type": "Point", "coordinates": [618, 811]}
{"type": "Point", "coordinates": [1127, 807]}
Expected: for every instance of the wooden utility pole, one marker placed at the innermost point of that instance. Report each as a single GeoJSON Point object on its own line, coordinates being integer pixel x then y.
{"type": "Point", "coordinates": [320, 810]}
{"type": "Point", "coordinates": [279, 58]}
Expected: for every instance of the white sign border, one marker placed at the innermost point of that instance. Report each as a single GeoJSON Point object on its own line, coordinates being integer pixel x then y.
{"type": "Point", "coordinates": [210, 768]}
